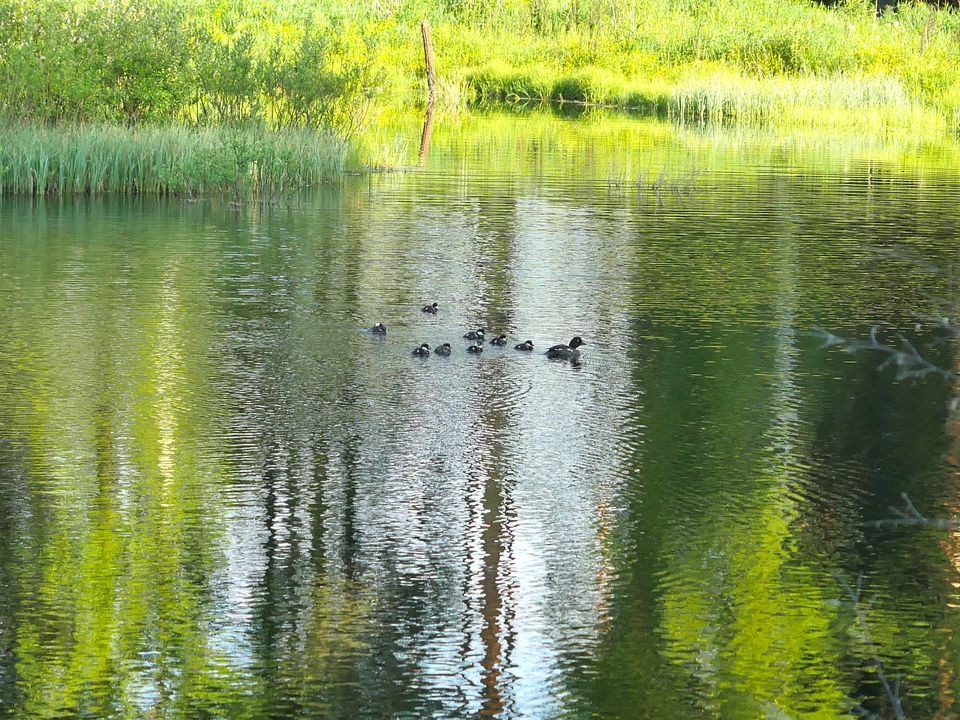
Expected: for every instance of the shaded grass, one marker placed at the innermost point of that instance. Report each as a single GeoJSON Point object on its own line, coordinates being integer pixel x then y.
{"type": "Point", "coordinates": [715, 94]}
{"type": "Point", "coordinates": [91, 159]}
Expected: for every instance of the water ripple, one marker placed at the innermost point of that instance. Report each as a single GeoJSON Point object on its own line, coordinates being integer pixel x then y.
{"type": "Point", "coordinates": [218, 495]}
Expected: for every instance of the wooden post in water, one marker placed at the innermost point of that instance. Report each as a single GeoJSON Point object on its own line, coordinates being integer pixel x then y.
{"type": "Point", "coordinates": [426, 134]}
{"type": "Point", "coordinates": [431, 92]}
{"type": "Point", "coordinates": [428, 62]}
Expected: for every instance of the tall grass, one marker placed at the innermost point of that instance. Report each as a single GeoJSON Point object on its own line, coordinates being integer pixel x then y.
{"type": "Point", "coordinates": [165, 160]}
{"type": "Point", "coordinates": [715, 95]}
{"type": "Point", "coordinates": [771, 61]}
{"type": "Point", "coordinates": [320, 66]}
{"type": "Point", "coordinates": [322, 63]}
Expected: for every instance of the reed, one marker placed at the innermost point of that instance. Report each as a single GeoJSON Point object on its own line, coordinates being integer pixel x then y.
{"type": "Point", "coordinates": [718, 95]}
{"type": "Point", "coordinates": [100, 158]}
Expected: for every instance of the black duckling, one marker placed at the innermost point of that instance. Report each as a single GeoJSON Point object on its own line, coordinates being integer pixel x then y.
{"type": "Point", "coordinates": [526, 346]}
{"type": "Point", "coordinates": [566, 352]}
{"type": "Point", "coordinates": [423, 351]}
{"type": "Point", "coordinates": [442, 349]}
{"type": "Point", "coordinates": [499, 340]}
{"type": "Point", "coordinates": [432, 309]}
{"type": "Point", "coordinates": [474, 335]}
{"type": "Point", "coordinates": [475, 349]}
{"type": "Point", "coordinates": [378, 329]}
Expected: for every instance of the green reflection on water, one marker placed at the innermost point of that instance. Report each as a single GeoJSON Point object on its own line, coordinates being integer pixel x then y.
{"type": "Point", "coordinates": [218, 498]}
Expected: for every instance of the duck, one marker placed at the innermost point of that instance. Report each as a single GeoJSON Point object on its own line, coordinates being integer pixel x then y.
{"type": "Point", "coordinates": [432, 308]}
{"type": "Point", "coordinates": [442, 349]}
{"type": "Point", "coordinates": [499, 340]}
{"type": "Point", "coordinates": [474, 334]}
{"type": "Point", "coordinates": [526, 346]}
{"type": "Point", "coordinates": [566, 352]}
{"type": "Point", "coordinates": [475, 349]}
{"type": "Point", "coordinates": [378, 329]}
{"type": "Point", "coordinates": [423, 351]}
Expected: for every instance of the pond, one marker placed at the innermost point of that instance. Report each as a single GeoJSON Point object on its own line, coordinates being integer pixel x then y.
{"type": "Point", "coordinates": [219, 497]}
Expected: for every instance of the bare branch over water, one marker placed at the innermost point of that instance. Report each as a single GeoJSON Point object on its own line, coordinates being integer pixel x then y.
{"type": "Point", "coordinates": [909, 515]}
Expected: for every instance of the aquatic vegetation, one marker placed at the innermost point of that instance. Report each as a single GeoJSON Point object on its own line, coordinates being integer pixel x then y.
{"type": "Point", "coordinates": [252, 161]}
{"type": "Point", "coordinates": [663, 181]}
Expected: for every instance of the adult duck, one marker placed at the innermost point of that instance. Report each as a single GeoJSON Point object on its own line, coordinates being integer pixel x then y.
{"type": "Point", "coordinates": [568, 351]}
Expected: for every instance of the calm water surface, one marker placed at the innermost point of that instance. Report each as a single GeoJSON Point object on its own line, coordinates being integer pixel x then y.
{"type": "Point", "coordinates": [220, 498]}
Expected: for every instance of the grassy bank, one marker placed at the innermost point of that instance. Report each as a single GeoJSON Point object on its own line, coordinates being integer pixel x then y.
{"type": "Point", "coordinates": [170, 159]}
{"type": "Point", "coordinates": [321, 63]}
{"type": "Point", "coordinates": [782, 61]}
{"type": "Point", "coordinates": [324, 67]}
{"type": "Point", "coordinates": [714, 94]}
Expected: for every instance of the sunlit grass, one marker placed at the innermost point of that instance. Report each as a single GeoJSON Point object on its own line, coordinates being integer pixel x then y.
{"type": "Point", "coordinates": [307, 66]}
{"type": "Point", "coordinates": [41, 160]}
{"type": "Point", "coordinates": [317, 63]}
{"type": "Point", "coordinates": [781, 62]}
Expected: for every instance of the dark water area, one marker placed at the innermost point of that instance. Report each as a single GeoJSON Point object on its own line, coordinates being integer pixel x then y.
{"type": "Point", "coordinates": [220, 498]}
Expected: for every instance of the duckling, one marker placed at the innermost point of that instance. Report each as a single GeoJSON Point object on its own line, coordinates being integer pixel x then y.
{"type": "Point", "coordinates": [566, 352]}
{"type": "Point", "coordinates": [474, 334]}
{"type": "Point", "coordinates": [499, 340]}
{"type": "Point", "coordinates": [423, 351]}
{"type": "Point", "coordinates": [526, 346]}
{"type": "Point", "coordinates": [378, 329]}
{"type": "Point", "coordinates": [432, 309]}
{"type": "Point", "coordinates": [442, 349]}
{"type": "Point", "coordinates": [475, 349]}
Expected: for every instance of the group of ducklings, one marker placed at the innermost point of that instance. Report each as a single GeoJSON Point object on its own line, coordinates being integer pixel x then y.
{"type": "Point", "coordinates": [568, 351]}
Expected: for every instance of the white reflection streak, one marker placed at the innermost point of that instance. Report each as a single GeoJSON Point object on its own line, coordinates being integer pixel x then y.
{"type": "Point", "coordinates": [570, 452]}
